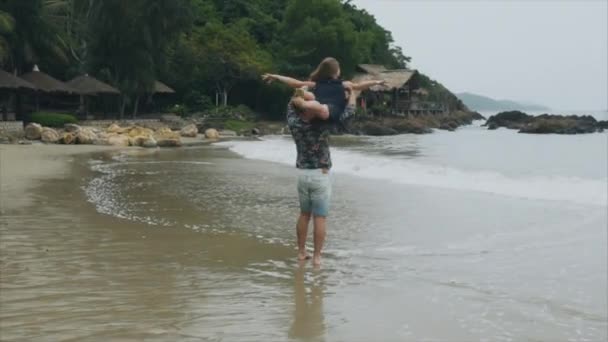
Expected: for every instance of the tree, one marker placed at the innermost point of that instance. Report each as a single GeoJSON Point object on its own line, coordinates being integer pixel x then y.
{"type": "Point", "coordinates": [31, 39]}
{"type": "Point", "coordinates": [228, 55]}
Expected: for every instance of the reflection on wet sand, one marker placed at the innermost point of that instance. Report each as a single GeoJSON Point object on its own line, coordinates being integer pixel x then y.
{"type": "Point", "coordinates": [308, 320]}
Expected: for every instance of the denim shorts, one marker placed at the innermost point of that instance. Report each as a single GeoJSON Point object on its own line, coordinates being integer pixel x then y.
{"type": "Point", "coordinates": [314, 190]}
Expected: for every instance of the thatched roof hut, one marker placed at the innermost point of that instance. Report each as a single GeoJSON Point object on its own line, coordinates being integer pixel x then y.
{"type": "Point", "coordinates": [161, 88]}
{"type": "Point", "coordinates": [395, 79]}
{"type": "Point", "coordinates": [371, 68]}
{"type": "Point", "coordinates": [9, 81]}
{"type": "Point", "coordinates": [47, 83]}
{"type": "Point", "coordinates": [87, 85]}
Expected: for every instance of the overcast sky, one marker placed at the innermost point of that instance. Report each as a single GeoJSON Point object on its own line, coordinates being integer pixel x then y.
{"type": "Point", "coordinates": [551, 52]}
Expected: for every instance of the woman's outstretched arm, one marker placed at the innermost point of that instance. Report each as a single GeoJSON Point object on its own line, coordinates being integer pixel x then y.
{"type": "Point", "coordinates": [363, 85]}
{"type": "Point", "coordinates": [292, 82]}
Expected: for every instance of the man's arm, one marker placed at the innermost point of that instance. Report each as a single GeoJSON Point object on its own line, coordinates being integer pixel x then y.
{"type": "Point", "coordinates": [310, 109]}
{"type": "Point", "coordinates": [292, 82]}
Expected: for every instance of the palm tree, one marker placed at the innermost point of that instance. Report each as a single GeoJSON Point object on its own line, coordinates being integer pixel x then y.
{"type": "Point", "coordinates": [7, 25]}
{"type": "Point", "coordinates": [32, 38]}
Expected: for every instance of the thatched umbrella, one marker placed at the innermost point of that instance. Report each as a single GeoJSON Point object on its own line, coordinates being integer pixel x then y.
{"type": "Point", "coordinates": [12, 83]}
{"type": "Point", "coordinates": [161, 88]}
{"type": "Point", "coordinates": [46, 84]}
{"type": "Point", "coordinates": [86, 85]}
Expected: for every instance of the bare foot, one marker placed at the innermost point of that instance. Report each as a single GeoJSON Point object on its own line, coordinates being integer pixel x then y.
{"type": "Point", "coordinates": [303, 256]}
{"type": "Point", "coordinates": [316, 260]}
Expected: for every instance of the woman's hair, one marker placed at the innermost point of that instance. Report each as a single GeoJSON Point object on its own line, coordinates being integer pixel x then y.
{"type": "Point", "coordinates": [328, 68]}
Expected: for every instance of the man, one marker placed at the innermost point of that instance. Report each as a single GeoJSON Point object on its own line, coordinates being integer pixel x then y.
{"type": "Point", "coordinates": [314, 163]}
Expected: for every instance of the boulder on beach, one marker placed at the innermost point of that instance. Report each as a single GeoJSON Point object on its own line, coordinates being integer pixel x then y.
{"type": "Point", "coordinates": [150, 143]}
{"type": "Point", "coordinates": [165, 137]}
{"type": "Point", "coordinates": [212, 133]}
{"type": "Point", "coordinates": [114, 128]}
{"type": "Point", "coordinates": [85, 136]}
{"type": "Point", "coordinates": [138, 131]}
{"type": "Point", "coordinates": [137, 141]}
{"type": "Point", "coordinates": [68, 138]}
{"type": "Point", "coordinates": [49, 135]}
{"type": "Point", "coordinates": [189, 131]}
{"type": "Point", "coordinates": [33, 131]}
{"type": "Point", "coordinates": [72, 128]}
{"type": "Point", "coordinates": [118, 140]}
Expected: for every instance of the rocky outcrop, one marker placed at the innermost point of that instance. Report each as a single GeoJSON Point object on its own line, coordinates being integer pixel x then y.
{"type": "Point", "coordinates": [173, 121]}
{"type": "Point", "coordinates": [546, 123]}
{"type": "Point", "coordinates": [149, 143]}
{"type": "Point", "coordinates": [33, 131]}
{"type": "Point", "coordinates": [115, 139]}
{"type": "Point", "coordinates": [85, 136]}
{"type": "Point", "coordinates": [71, 128]}
{"type": "Point", "coordinates": [49, 135]}
{"type": "Point", "coordinates": [68, 138]}
{"type": "Point", "coordinates": [212, 133]}
{"type": "Point", "coordinates": [165, 137]}
{"type": "Point", "coordinates": [189, 131]}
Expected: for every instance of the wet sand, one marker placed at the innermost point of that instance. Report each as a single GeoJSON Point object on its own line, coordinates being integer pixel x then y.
{"type": "Point", "coordinates": [23, 166]}
{"type": "Point", "coordinates": [197, 244]}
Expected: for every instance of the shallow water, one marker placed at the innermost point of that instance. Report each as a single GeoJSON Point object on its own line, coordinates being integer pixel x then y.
{"type": "Point", "coordinates": [194, 244]}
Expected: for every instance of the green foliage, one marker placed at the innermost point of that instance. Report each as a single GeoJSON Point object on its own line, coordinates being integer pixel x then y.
{"type": "Point", "coordinates": [207, 50]}
{"type": "Point", "coordinates": [238, 125]}
{"type": "Point", "coordinates": [56, 120]}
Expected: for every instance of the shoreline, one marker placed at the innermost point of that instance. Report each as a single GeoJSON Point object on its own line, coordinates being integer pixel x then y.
{"type": "Point", "coordinates": [22, 166]}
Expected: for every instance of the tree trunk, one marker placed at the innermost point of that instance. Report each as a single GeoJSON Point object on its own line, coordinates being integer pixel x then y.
{"type": "Point", "coordinates": [136, 107]}
{"type": "Point", "coordinates": [225, 97]}
{"type": "Point", "coordinates": [123, 105]}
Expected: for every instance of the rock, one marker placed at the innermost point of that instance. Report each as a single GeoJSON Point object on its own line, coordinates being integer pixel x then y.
{"type": "Point", "coordinates": [150, 143]}
{"type": "Point", "coordinates": [114, 128]}
{"type": "Point", "coordinates": [137, 141]}
{"type": "Point", "coordinates": [165, 137]}
{"type": "Point", "coordinates": [602, 124]}
{"type": "Point", "coordinates": [71, 128]}
{"type": "Point", "coordinates": [85, 136]}
{"type": "Point", "coordinates": [377, 129]}
{"type": "Point", "coordinates": [413, 125]}
{"type": "Point", "coordinates": [477, 116]}
{"type": "Point", "coordinates": [212, 133]}
{"type": "Point", "coordinates": [68, 138]}
{"type": "Point", "coordinates": [138, 131]}
{"type": "Point", "coordinates": [255, 131]}
{"type": "Point", "coordinates": [33, 131]}
{"type": "Point", "coordinates": [102, 139]}
{"type": "Point", "coordinates": [189, 131]}
{"type": "Point", "coordinates": [118, 140]}
{"type": "Point", "coordinates": [164, 131]}
{"type": "Point", "coordinates": [513, 119]}
{"type": "Point", "coordinates": [227, 133]}
{"type": "Point", "coordinates": [169, 142]}
{"type": "Point", "coordinates": [559, 124]}
{"type": "Point", "coordinates": [492, 126]}
{"type": "Point", "coordinates": [49, 135]}
{"type": "Point", "coordinates": [173, 121]}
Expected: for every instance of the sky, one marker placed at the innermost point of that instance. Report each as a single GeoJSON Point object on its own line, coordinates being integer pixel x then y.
{"type": "Point", "coordinates": [549, 52]}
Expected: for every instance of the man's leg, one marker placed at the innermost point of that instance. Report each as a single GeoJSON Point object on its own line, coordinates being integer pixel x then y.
{"type": "Point", "coordinates": [302, 233]}
{"type": "Point", "coordinates": [319, 238]}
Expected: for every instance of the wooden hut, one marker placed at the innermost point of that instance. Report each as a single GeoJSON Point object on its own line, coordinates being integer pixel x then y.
{"type": "Point", "coordinates": [401, 93]}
